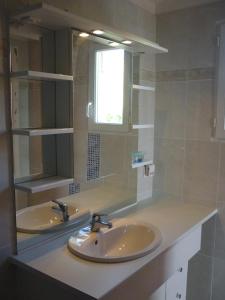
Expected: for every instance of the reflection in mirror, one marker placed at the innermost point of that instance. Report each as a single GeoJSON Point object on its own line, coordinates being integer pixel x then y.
{"type": "Point", "coordinates": [103, 91]}
{"type": "Point", "coordinates": [109, 86]}
{"type": "Point", "coordinates": [100, 106]}
{"type": "Point", "coordinates": [42, 128]}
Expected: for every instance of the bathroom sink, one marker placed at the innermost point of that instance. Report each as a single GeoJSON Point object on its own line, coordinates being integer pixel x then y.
{"type": "Point", "coordinates": [125, 241]}
{"type": "Point", "coordinates": [46, 218]}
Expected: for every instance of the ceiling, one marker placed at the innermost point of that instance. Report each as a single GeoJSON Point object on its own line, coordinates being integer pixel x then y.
{"type": "Point", "coordinates": [161, 6]}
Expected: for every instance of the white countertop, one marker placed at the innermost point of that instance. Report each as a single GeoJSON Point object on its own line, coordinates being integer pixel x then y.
{"type": "Point", "coordinates": [174, 219]}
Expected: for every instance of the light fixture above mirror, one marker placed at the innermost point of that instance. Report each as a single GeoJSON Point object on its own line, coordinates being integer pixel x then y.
{"type": "Point", "coordinates": [98, 32]}
{"type": "Point", "coordinates": [84, 34]}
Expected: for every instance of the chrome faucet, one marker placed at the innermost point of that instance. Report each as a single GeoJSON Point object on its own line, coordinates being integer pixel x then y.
{"type": "Point", "coordinates": [63, 208]}
{"type": "Point", "coordinates": [98, 221]}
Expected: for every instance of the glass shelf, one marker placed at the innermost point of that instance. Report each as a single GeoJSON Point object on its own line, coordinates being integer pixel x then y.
{"type": "Point", "coordinates": [35, 75]}
{"type": "Point", "coordinates": [41, 131]}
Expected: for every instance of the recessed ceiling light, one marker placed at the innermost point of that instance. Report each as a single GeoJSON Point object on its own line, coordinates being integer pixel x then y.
{"type": "Point", "coordinates": [84, 34]}
{"type": "Point", "coordinates": [98, 32]}
{"type": "Point", "coordinates": [127, 42]}
{"type": "Point", "coordinates": [114, 44]}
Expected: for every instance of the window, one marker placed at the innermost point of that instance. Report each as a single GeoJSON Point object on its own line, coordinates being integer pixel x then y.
{"type": "Point", "coordinates": [109, 86]}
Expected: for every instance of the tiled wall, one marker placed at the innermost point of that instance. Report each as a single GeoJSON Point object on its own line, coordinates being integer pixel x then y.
{"type": "Point", "coordinates": [190, 164]}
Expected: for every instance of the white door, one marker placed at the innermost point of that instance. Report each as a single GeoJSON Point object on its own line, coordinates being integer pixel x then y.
{"type": "Point", "coordinates": [176, 285]}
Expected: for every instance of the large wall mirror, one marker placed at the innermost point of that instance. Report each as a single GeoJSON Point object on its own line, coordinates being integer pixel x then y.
{"type": "Point", "coordinates": [99, 103]}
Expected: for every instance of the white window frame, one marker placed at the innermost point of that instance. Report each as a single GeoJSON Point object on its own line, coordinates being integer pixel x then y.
{"type": "Point", "coordinates": [92, 124]}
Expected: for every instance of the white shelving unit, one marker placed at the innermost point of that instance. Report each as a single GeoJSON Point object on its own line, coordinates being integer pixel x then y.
{"type": "Point", "coordinates": [35, 75]}
{"type": "Point", "coordinates": [44, 184]}
{"type": "Point", "coordinates": [143, 87]}
{"type": "Point", "coordinates": [41, 131]}
{"type": "Point", "coordinates": [143, 126]}
{"type": "Point", "coordinates": [141, 164]}
{"type": "Point", "coordinates": [53, 18]}
{"type": "Point", "coordinates": [54, 112]}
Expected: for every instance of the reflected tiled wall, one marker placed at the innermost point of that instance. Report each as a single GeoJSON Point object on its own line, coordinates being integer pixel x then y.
{"type": "Point", "coordinates": [190, 164]}
{"type": "Point", "coordinates": [143, 112]}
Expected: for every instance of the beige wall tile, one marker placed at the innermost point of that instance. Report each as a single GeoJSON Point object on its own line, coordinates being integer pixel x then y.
{"type": "Point", "coordinates": [170, 109]}
{"type": "Point", "coordinates": [172, 31]}
{"type": "Point", "coordinates": [200, 171]}
{"type": "Point", "coordinates": [169, 161]}
{"type": "Point", "coordinates": [199, 109]}
{"type": "Point", "coordinates": [221, 179]}
{"type": "Point", "coordinates": [202, 33]}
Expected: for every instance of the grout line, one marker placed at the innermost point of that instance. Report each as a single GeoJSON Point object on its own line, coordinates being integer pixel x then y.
{"type": "Point", "coordinates": [185, 141]}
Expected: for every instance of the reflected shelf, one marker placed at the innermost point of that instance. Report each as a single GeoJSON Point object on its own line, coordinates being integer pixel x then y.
{"type": "Point", "coordinates": [44, 184]}
{"type": "Point", "coordinates": [143, 126]}
{"type": "Point", "coordinates": [41, 131]}
{"type": "Point", "coordinates": [141, 164]}
{"type": "Point", "coordinates": [36, 75]}
{"type": "Point", "coordinates": [143, 87]}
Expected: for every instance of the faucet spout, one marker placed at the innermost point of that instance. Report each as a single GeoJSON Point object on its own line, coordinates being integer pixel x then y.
{"type": "Point", "coordinates": [98, 221]}
{"type": "Point", "coordinates": [63, 208]}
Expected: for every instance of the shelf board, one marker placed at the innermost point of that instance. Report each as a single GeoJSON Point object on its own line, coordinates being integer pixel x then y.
{"type": "Point", "coordinates": [143, 126]}
{"type": "Point", "coordinates": [53, 18]}
{"type": "Point", "coordinates": [141, 164]}
{"type": "Point", "coordinates": [143, 87]}
{"type": "Point", "coordinates": [41, 131]}
{"type": "Point", "coordinates": [44, 184]}
{"type": "Point", "coordinates": [35, 75]}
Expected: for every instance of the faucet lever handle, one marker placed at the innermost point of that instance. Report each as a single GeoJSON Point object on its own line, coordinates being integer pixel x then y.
{"type": "Point", "coordinates": [98, 216]}
{"type": "Point", "coordinates": [98, 221]}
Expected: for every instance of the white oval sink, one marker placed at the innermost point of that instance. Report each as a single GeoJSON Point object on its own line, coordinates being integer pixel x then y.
{"type": "Point", "coordinates": [123, 242]}
{"type": "Point", "coordinates": [43, 218]}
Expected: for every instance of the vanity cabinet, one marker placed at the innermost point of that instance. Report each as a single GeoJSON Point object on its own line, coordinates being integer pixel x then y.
{"type": "Point", "coordinates": [175, 286]}
{"type": "Point", "coordinates": [175, 262]}
{"type": "Point", "coordinates": [157, 276]}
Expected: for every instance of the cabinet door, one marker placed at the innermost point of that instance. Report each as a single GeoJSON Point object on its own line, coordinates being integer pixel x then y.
{"type": "Point", "coordinates": [177, 284]}
{"type": "Point", "coordinates": [159, 294]}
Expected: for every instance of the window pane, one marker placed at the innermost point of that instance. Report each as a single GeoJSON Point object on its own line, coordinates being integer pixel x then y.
{"type": "Point", "coordinates": [109, 86]}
